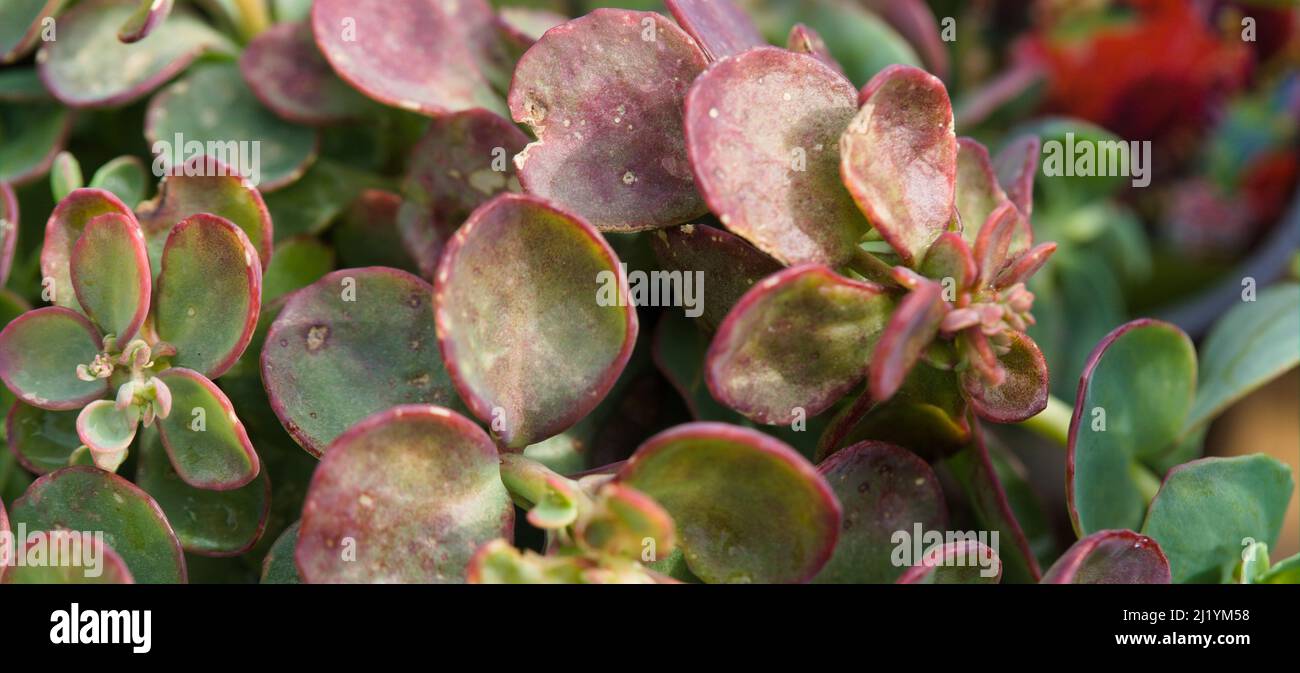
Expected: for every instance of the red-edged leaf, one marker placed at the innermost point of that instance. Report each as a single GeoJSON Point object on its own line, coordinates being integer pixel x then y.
{"type": "Point", "coordinates": [149, 14]}
{"type": "Point", "coordinates": [62, 231]}
{"type": "Point", "coordinates": [912, 327]}
{"type": "Point", "coordinates": [994, 245]}
{"type": "Point", "coordinates": [804, 40]}
{"type": "Point", "coordinates": [729, 264]}
{"type": "Point", "coordinates": [720, 27]}
{"type": "Point", "coordinates": [205, 440]}
{"type": "Point", "coordinates": [950, 257]}
{"type": "Point", "coordinates": [762, 130]}
{"type": "Point", "coordinates": [39, 354]}
{"type": "Point", "coordinates": [1023, 267]}
{"type": "Point", "coordinates": [604, 95]}
{"type": "Point", "coordinates": [110, 273]}
{"type": "Point", "coordinates": [8, 230]}
{"type": "Point", "coordinates": [289, 76]}
{"type": "Point", "coordinates": [21, 24]}
{"type": "Point", "coordinates": [962, 562]}
{"type": "Point", "coordinates": [110, 569]}
{"type": "Point", "coordinates": [1016, 164]}
{"type": "Point", "coordinates": [1111, 557]}
{"type": "Point", "coordinates": [1022, 394]}
{"type": "Point", "coordinates": [978, 191]}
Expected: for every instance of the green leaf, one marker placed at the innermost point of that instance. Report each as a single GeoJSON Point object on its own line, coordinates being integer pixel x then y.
{"type": "Point", "coordinates": [354, 343]}
{"type": "Point", "coordinates": [1286, 571]}
{"type": "Point", "coordinates": [125, 177]}
{"type": "Point", "coordinates": [21, 23]}
{"type": "Point", "coordinates": [288, 74]}
{"type": "Point", "coordinates": [278, 567]}
{"type": "Point", "coordinates": [42, 440]}
{"type": "Point", "coordinates": [1249, 346]}
{"type": "Point", "coordinates": [108, 568]}
{"type": "Point", "coordinates": [747, 507]}
{"type": "Point", "coordinates": [39, 354]}
{"type": "Point", "coordinates": [227, 522]}
{"type": "Point", "coordinates": [148, 16]}
{"type": "Point", "coordinates": [1133, 399]}
{"type": "Point", "coordinates": [89, 499]}
{"type": "Point", "coordinates": [66, 223]}
{"type": "Point", "coordinates": [84, 66]}
{"type": "Point", "coordinates": [414, 490]}
{"type": "Point", "coordinates": [863, 42]}
{"type": "Point", "coordinates": [297, 263]}
{"type": "Point", "coordinates": [963, 562]}
{"type": "Point", "coordinates": [368, 234]}
{"type": "Point", "coordinates": [212, 105]}
{"type": "Point", "coordinates": [533, 350]}
{"type": "Point", "coordinates": [65, 175]}
{"type": "Point", "coordinates": [209, 294]}
{"type": "Point", "coordinates": [110, 274]}
{"type": "Point", "coordinates": [206, 441]}
{"type": "Point", "coordinates": [1208, 509]}
{"type": "Point", "coordinates": [107, 431]}
{"type": "Point", "coordinates": [34, 133]}
{"type": "Point", "coordinates": [729, 265]}
{"type": "Point", "coordinates": [309, 205]}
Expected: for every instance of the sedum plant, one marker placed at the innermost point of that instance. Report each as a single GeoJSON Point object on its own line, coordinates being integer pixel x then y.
{"type": "Point", "coordinates": [445, 355]}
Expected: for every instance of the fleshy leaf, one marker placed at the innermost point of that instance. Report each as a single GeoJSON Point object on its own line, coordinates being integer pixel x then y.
{"type": "Point", "coordinates": [8, 230]}
{"type": "Point", "coordinates": [748, 508]}
{"type": "Point", "coordinates": [110, 273]}
{"type": "Point", "coordinates": [978, 191]}
{"type": "Point", "coordinates": [225, 522]}
{"type": "Point", "coordinates": [89, 499]}
{"type": "Point", "coordinates": [720, 27]}
{"type": "Point", "coordinates": [209, 294]}
{"type": "Point", "coordinates": [271, 152]}
{"type": "Point", "coordinates": [882, 489]}
{"type": "Point", "coordinates": [107, 430]}
{"type": "Point", "coordinates": [1111, 557]}
{"type": "Point", "coordinates": [951, 257]}
{"type": "Point", "coordinates": [289, 76]}
{"type": "Point", "coordinates": [1024, 391]}
{"type": "Point", "coordinates": [311, 204]}
{"type": "Point", "coordinates": [1206, 508]}
{"type": "Point", "coordinates": [762, 130]}
{"type": "Point", "coordinates": [426, 56]}
{"type": "Point", "coordinates": [63, 229]}
{"type": "Point", "coordinates": [610, 145]}
{"type": "Point", "coordinates": [65, 175]}
{"type": "Point", "coordinates": [861, 41]}
{"type": "Point", "coordinates": [84, 67]}
{"type": "Point", "coordinates": [1016, 164]}
{"type": "Point", "coordinates": [21, 22]}
{"type": "Point", "coordinates": [71, 569]}
{"type": "Point", "coordinates": [804, 40]}
{"type": "Point", "coordinates": [41, 440]}
{"type": "Point", "coordinates": [1134, 395]}
{"type": "Point", "coordinates": [124, 177]}
{"type": "Point", "coordinates": [961, 562]}
{"type": "Point", "coordinates": [39, 354]}
{"type": "Point", "coordinates": [623, 520]}
{"type": "Point", "coordinates": [532, 351]}
{"type": "Point", "coordinates": [1286, 571]}
{"type": "Point", "coordinates": [356, 342]}
{"type": "Point", "coordinates": [297, 263]}
{"type": "Point", "coordinates": [35, 132]}
{"type": "Point", "coordinates": [463, 160]}
{"type": "Point", "coordinates": [729, 263]}
{"type": "Point", "coordinates": [149, 14]}
{"type": "Point", "coordinates": [207, 443]}
{"type": "Point", "coordinates": [416, 489]}
{"type": "Point", "coordinates": [1249, 346]}
{"type": "Point", "coordinates": [899, 158]}
{"type": "Point", "coordinates": [526, 25]}
{"type": "Point", "coordinates": [797, 341]}
{"type": "Point", "coordinates": [204, 185]}
{"type": "Point", "coordinates": [278, 566]}
{"type": "Point", "coordinates": [910, 330]}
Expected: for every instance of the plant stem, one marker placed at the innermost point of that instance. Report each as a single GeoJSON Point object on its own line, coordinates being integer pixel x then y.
{"type": "Point", "coordinates": [1052, 422]}
{"type": "Point", "coordinates": [253, 17]}
{"type": "Point", "coordinates": [524, 478]}
{"type": "Point", "coordinates": [870, 267]}
{"type": "Point", "coordinates": [1147, 481]}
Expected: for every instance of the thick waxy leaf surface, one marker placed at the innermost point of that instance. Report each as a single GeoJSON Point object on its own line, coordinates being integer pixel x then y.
{"type": "Point", "coordinates": [41, 440]}
{"type": "Point", "coordinates": [124, 177]}
{"type": "Point", "coordinates": [1024, 391]}
{"type": "Point", "coordinates": [730, 265]}
{"type": "Point", "coordinates": [747, 507]}
{"type": "Point", "coordinates": [206, 441]}
{"type": "Point", "coordinates": [224, 522]}
{"type": "Point", "coordinates": [105, 429]}
{"type": "Point", "coordinates": [604, 96]}
{"type": "Point", "coordinates": [463, 160]}
{"type": "Point", "coordinates": [978, 191]}
{"type": "Point", "coordinates": [1016, 164]}
{"type": "Point", "coordinates": [355, 342]}
{"type": "Point", "coordinates": [88, 66]}
{"type": "Point", "coordinates": [89, 499]}
{"type": "Point", "coordinates": [34, 133]}
{"type": "Point", "coordinates": [899, 158]}
{"type": "Point", "coordinates": [21, 22]}
{"type": "Point", "coordinates": [278, 567]}
{"type": "Point", "coordinates": [428, 56]}
{"type": "Point", "coordinates": [415, 489]}
{"type": "Point", "coordinates": [110, 273]}
{"type": "Point", "coordinates": [63, 229]}
{"type": "Point", "coordinates": [797, 341]}
{"type": "Point", "coordinates": [962, 562]}
{"type": "Point", "coordinates": [1111, 557]}
{"type": "Point", "coordinates": [148, 15]}
{"type": "Point", "coordinates": [1249, 346]}
{"type": "Point", "coordinates": [205, 186]}
{"type": "Point", "coordinates": [882, 489]}
{"type": "Point", "coordinates": [39, 354]}
{"type": "Point", "coordinates": [951, 257]}
{"type": "Point", "coordinates": [720, 27]}
{"type": "Point", "coordinates": [909, 332]}
{"type": "Point", "coordinates": [55, 568]}
{"type": "Point", "coordinates": [763, 130]}
{"type": "Point", "coordinates": [1205, 509]}
{"type": "Point", "coordinates": [289, 76]}
{"type": "Point", "coordinates": [297, 263]}
{"type": "Point", "coordinates": [1133, 397]}
{"type": "Point", "coordinates": [533, 350]}
{"type": "Point", "coordinates": [804, 40]}
{"type": "Point", "coordinates": [186, 110]}
{"type": "Point", "coordinates": [8, 230]}
{"type": "Point", "coordinates": [209, 294]}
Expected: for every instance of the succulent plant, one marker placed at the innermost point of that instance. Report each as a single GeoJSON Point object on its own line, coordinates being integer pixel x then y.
{"type": "Point", "coordinates": [473, 346]}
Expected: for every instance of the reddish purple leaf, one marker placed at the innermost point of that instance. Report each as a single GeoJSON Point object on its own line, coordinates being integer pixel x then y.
{"type": "Point", "coordinates": [978, 191]}
{"type": "Point", "coordinates": [914, 20]}
{"type": "Point", "coordinates": [762, 129]}
{"type": "Point", "coordinates": [912, 327]}
{"type": "Point", "coordinates": [1016, 165]}
{"type": "Point", "coordinates": [961, 562]}
{"type": "Point", "coordinates": [796, 342]}
{"type": "Point", "coordinates": [1022, 394]}
{"type": "Point", "coordinates": [720, 27]}
{"type": "Point", "coordinates": [1111, 557]}
{"type": "Point", "coordinates": [604, 95]}
{"type": "Point", "coordinates": [729, 263]}
{"type": "Point", "coordinates": [427, 56]}
{"type": "Point", "coordinates": [899, 158]}
{"type": "Point", "coordinates": [994, 245]}
{"type": "Point", "coordinates": [804, 40]}
{"type": "Point", "coordinates": [289, 76]}
{"type": "Point", "coordinates": [1022, 268]}
{"type": "Point", "coordinates": [950, 257]}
